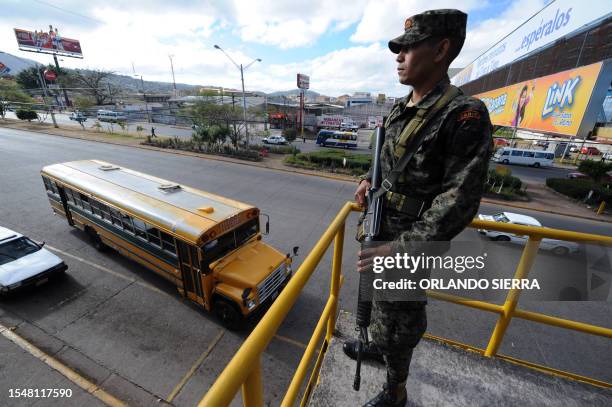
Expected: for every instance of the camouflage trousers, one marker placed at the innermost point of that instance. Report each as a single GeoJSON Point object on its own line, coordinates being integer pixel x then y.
{"type": "Point", "coordinates": [396, 328]}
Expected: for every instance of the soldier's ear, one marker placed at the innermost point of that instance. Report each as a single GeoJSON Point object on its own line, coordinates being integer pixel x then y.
{"type": "Point", "coordinates": [442, 50]}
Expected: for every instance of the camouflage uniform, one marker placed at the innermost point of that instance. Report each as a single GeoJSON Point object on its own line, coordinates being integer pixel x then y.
{"type": "Point", "coordinates": [447, 172]}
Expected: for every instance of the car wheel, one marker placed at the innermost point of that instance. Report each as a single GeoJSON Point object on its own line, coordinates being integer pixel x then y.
{"type": "Point", "coordinates": [505, 162]}
{"type": "Point", "coordinates": [536, 165]}
{"type": "Point", "coordinates": [95, 240]}
{"type": "Point", "coordinates": [502, 238]}
{"type": "Point", "coordinates": [560, 251]}
{"type": "Point", "coordinates": [227, 314]}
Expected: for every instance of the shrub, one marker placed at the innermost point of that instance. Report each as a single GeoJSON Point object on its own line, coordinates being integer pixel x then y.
{"type": "Point", "coordinates": [290, 134]}
{"type": "Point", "coordinates": [579, 189]}
{"type": "Point", "coordinates": [194, 145]}
{"type": "Point", "coordinates": [332, 160]}
{"type": "Point", "coordinates": [26, 114]}
{"type": "Point", "coordinates": [502, 177]}
{"type": "Point", "coordinates": [274, 149]}
{"type": "Point", "coordinates": [594, 169]}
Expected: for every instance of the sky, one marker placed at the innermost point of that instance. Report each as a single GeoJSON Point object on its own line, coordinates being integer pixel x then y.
{"type": "Point", "coordinates": [340, 44]}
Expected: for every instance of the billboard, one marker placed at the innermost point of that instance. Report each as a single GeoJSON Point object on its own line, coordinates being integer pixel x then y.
{"type": "Point", "coordinates": [556, 20]}
{"type": "Point", "coordinates": [48, 42]}
{"type": "Point", "coordinates": [303, 81]}
{"type": "Point", "coordinates": [555, 103]}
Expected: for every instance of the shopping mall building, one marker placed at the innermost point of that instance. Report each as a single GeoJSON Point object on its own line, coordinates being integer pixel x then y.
{"type": "Point", "coordinates": [551, 76]}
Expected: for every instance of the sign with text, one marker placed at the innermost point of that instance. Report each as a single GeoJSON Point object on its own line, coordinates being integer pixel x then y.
{"type": "Point", "coordinates": [556, 20]}
{"type": "Point", "coordinates": [303, 81]}
{"type": "Point", "coordinates": [48, 42]}
{"type": "Point", "coordinates": [554, 103]}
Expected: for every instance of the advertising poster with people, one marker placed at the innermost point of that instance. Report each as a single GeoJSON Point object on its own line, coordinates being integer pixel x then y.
{"type": "Point", "coordinates": [554, 103]}
{"type": "Point", "coordinates": [48, 42]}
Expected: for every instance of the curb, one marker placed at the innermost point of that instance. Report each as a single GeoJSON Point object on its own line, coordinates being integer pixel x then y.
{"type": "Point", "coordinates": [287, 170]}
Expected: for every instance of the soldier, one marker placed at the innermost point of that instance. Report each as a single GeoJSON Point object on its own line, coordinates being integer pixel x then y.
{"type": "Point", "coordinates": [439, 190]}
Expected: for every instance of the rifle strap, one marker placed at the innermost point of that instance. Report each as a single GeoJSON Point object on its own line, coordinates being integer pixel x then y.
{"type": "Point", "coordinates": [411, 138]}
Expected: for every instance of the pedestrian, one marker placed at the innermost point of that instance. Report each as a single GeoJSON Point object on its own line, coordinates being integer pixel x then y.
{"type": "Point", "coordinates": [304, 138]}
{"type": "Point", "coordinates": [153, 132]}
{"type": "Point", "coordinates": [437, 192]}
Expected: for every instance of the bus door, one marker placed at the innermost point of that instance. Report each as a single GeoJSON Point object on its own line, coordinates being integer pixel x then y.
{"type": "Point", "coordinates": [190, 269]}
{"type": "Point", "coordinates": [62, 194]}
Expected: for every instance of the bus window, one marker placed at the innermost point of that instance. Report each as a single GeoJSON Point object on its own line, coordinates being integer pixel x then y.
{"type": "Point", "coordinates": [246, 231]}
{"type": "Point", "coordinates": [127, 223]}
{"type": "Point", "coordinates": [85, 202]}
{"type": "Point", "coordinates": [116, 218]}
{"type": "Point", "coordinates": [550, 156]}
{"type": "Point", "coordinates": [540, 155]}
{"type": "Point", "coordinates": [506, 152]}
{"type": "Point", "coordinates": [140, 228]}
{"type": "Point", "coordinates": [168, 243]}
{"type": "Point", "coordinates": [528, 154]}
{"type": "Point", "coordinates": [517, 153]}
{"type": "Point", "coordinates": [217, 248]}
{"type": "Point", "coordinates": [153, 234]}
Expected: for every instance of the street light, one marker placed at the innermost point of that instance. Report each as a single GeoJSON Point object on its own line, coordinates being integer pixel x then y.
{"type": "Point", "coordinates": [144, 95]}
{"type": "Point", "coordinates": [246, 129]}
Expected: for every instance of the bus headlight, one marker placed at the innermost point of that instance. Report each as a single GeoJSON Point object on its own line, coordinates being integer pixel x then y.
{"type": "Point", "coordinates": [251, 303]}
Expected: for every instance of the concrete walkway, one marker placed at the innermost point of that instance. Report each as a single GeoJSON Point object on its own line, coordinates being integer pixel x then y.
{"type": "Point", "coordinates": [443, 375]}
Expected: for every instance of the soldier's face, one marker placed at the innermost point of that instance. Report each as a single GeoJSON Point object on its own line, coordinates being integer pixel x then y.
{"type": "Point", "coordinates": [416, 63]}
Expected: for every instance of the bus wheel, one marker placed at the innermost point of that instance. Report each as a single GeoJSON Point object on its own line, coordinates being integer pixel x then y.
{"type": "Point", "coordinates": [505, 161]}
{"type": "Point", "coordinates": [95, 239]}
{"type": "Point", "coordinates": [227, 314]}
{"type": "Point", "coordinates": [560, 251]}
{"type": "Point", "coordinates": [536, 165]}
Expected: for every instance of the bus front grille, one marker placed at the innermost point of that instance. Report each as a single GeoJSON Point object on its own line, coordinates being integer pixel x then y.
{"type": "Point", "coordinates": [271, 283]}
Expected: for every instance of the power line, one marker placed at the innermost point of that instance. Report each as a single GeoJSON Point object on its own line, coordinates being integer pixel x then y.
{"type": "Point", "coordinates": [68, 11]}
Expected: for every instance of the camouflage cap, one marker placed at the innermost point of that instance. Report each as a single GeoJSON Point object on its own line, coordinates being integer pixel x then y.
{"type": "Point", "coordinates": [443, 22]}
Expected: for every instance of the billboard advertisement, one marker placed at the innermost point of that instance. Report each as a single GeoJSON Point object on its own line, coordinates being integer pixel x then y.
{"type": "Point", "coordinates": [48, 42]}
{"type": "Point", "coordinates": [555, 103]}
{"type": "Point", "coordinates": [558, 19]}
{"type": "Point", "coordinates": [303, 81]}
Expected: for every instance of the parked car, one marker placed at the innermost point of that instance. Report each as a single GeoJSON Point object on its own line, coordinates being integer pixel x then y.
{"type": "Point", "coordinates": [590, 151]}
{"type": "Point", "coordinates": [24, 262]}
{"type": "Point", "coordinates": [501, 142]}
{"type": "Point", "coordinates": [274, 140]}
{"type": "Point", "coordinates": [77, 116]}
{"type": "Point", "coordinates": [578, 175]}
{"type": "Point", "coordinates": [574, 148]}
{"type": "Point", "coordinates": [559, 247]}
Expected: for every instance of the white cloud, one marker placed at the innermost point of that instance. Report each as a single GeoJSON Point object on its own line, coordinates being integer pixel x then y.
{"type": "Point", "coordinates": [296, 23]}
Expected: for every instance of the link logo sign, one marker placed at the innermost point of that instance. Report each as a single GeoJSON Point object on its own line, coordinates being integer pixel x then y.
{"type": "Point", "coordinates": [554, 103]}
{"type": "Point", "coordinates": [556, 20]}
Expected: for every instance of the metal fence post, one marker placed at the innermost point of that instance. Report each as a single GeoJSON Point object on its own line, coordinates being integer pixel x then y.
{"type": "Point", "coordinates": [335, 279]}
{"type": "Point", "coordinates": [522, 270]}
{"type": "Point", "coordinates": [252, 388]}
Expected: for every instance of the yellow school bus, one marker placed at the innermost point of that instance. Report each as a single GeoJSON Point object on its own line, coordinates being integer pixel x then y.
{"type": "Point", "coordinates": [209, 246]}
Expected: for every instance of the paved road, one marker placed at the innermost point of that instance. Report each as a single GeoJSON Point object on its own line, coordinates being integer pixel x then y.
{"type": "Point", "coordinates": [128, 330]}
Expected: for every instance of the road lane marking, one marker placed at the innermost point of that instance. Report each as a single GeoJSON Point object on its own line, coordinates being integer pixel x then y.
{"type": "Point", "coordinates": [61, 368]}
{"type": "Point", "coordinates": [109, 271]}
{"type": "Point", "coordinates": [152, 288]}
{"type": "Point", "coordinates": [193, 368]}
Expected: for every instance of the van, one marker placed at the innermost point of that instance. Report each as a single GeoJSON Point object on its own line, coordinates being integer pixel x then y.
{"type": "Point", "coordinates": [535, 158]}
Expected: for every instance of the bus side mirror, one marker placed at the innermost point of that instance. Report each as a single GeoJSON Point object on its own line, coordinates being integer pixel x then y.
{"type": "Point", "coordinates": [295, 250]}
{"type": "Point", "coordinates": [267, 224]}
{"type": "Point", "coordinates": [41, 244]}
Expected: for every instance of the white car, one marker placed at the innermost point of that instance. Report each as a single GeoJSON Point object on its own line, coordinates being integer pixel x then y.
{"type": "Point", "coordinates": [559, 247]}
{"type": "Point", "coordinates": [24, 262]}
{"type": "Point", "coordinates": [274, 140]}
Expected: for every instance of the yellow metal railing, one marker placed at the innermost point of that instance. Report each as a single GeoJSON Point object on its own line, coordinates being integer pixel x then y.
{"type": "Point", "coordinates": [244, 370]}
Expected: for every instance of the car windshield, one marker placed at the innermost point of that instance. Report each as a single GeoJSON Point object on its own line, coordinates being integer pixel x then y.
{"type": "Point", "coordinates": [16, 248]}
{"type": "Point", "coordinates": [500, 217]}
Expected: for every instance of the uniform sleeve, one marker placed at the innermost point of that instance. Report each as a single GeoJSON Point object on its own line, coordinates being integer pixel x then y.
{"type": "Point", "coordinates": [468, 146]}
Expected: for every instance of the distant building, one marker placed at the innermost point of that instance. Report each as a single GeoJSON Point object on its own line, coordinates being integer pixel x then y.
{"type": "Point", "coordinates": [359, 98]}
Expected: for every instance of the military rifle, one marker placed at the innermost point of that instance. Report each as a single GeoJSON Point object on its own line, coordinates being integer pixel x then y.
{"type": "Point", "coordinates": [371, 227]}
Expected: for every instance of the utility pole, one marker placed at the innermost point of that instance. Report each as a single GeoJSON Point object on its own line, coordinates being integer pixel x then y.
{"type": "Point", "coordinates": [43, 85]}
{"type": "Point", "coordinates": [244, 116]}
{"type": "Point", "coordinates": [172, 69]}
{"type": "Point", "coordinates": [266, 113]}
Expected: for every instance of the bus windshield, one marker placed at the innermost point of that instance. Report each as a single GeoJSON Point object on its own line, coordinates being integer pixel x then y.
{"type": "Point", "coordinates": [215, 249]}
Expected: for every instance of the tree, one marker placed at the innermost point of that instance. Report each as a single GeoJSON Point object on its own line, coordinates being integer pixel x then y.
{"type": "Point", "coordinates": [26, 114]}
{"type": "Point", "coordinates": [83, 102]}
{"type": "Point", "coordinates": [29, 78]}
{"type": "Point", "coordinates": [206, 114]}
{"type": "Point", "coordinates": [95, 84]}
{"type": "Point", "coordinates": [11, 92]}
{"type": "Point", "coordinates": [594, 169]}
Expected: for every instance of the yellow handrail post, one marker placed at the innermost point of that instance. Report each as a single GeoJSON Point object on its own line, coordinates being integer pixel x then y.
{"type": "Point", "coordinates": [601, 208]}
{"type": "Point", "coordinates": [335, 279]}
{"type": "Point", "coordinates": [252, 388]}
{"type": "Point", "coordinates": [522, 270]}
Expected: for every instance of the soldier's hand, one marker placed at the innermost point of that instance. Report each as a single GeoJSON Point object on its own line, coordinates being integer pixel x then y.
{"type": "Point", "coordinates": [366, 256]}
{"type": "Point", "coordinates": [361, 191]}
